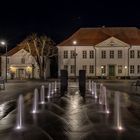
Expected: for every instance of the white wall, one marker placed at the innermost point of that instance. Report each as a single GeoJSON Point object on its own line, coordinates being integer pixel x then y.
{"type": "Point", "coordinates": [119, 45]}
{"type": "Point", "coordinates": [15, 61]}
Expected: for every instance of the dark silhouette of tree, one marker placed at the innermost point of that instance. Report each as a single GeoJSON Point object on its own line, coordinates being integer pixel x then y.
{"type": "Point", "coordinates": [42, 48]}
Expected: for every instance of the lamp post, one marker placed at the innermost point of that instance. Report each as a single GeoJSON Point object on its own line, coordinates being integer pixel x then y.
{"type": "Point", "coordinates": [74, 43]}
{"type": "Point", "coordinates": [125, 71]}
{"type": "Point", "coordinates": [3, 43]}
{"type": "Point", "coordinates": [102, 71]}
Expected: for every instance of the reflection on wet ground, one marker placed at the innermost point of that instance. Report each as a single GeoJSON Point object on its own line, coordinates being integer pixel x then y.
{"type": "Point", "coordinates": [72, 118]}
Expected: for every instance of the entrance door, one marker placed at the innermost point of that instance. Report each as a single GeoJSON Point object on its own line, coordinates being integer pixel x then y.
{"type": "Point", "coordinates": [21, 73]}
{"type": "Point", "coordinates": [111, 70]}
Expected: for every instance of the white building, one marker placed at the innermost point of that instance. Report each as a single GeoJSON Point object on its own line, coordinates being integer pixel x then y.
{"type": "Point", "coordinates": [109, 52]}
{"type": "Point", "coordinates": [20, 65]}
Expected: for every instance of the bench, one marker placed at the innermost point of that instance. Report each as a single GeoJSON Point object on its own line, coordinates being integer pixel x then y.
{"type": "Point", "coordinates": [136, 84]}
{"type": "Point", "coordinates": [2, 83]}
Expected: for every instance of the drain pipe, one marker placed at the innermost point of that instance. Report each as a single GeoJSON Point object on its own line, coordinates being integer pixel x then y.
{"type": "Point", "coordinates": [129, 58]}
{"type": "Point", "coordinates": [95, 58]}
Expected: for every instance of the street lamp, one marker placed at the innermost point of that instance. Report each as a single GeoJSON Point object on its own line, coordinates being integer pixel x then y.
{"type": "Point", "coordinates": [74, 43]}
{"type": "Point", "coordinates": [125, 71]}
{"type": "Point", "coordinates": [102, 71]}
{"type": "Point", "coordinates": [3, 43]}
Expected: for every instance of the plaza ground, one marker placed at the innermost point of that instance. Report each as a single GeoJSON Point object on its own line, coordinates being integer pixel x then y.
{"type": "Point", "coordinates": [70, 117]}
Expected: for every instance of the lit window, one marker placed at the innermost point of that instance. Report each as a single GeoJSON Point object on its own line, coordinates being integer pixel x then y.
{"type": "Point", "coordinates": [103, 69]}
{"type": "Point", "coordinates": [119, 53]}
{"type": "Point", "coordinates": [103, 54]}
{"type": "Point", "coordinates": [111, 54]}
{"type": "Point", "coordinates": [84, 54]}
{"type": "Point", "coordinates": [65, 54]}
{"type": "Point", "coordinates": [91, 54]}
{"type": "Point", "coordinates": [132, 69]}
{"type": "Point", "coordinates": [91, 69]}
{"type": "Point", "coordinates": [119, 69]}
{"type": "Point", "coordinates": [132, 54]}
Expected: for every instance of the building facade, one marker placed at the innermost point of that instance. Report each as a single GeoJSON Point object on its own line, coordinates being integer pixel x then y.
{"type": "Point", "coordinates": [20, 65]}
{"type": "Point", "coordinates": [102, 52]}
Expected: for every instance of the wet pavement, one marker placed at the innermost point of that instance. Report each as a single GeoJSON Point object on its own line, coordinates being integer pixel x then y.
{"type": "Point", "coordinates": [70, 117]}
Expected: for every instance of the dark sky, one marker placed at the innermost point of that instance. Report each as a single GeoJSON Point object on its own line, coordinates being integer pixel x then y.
{"type": "Point", "coordinates": [58, 19]}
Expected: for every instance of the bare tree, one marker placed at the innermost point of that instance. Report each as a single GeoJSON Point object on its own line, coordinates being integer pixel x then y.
{"type": "Point", "coordinates": [42, 49]}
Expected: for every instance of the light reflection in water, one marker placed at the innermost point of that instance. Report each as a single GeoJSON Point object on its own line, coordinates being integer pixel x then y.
{"type": "Point", "coordinates": [2, 106]}
{"type": "Point", "coordinates": [75, 112]}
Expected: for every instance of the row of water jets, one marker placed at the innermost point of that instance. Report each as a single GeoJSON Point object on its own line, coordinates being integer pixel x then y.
{"type": "Point", "coordinates": [52, 88]}
{"type": "Point", "coordinates": [102, 99]}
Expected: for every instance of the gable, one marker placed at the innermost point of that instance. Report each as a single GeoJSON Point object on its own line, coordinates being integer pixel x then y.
{"type": "Point", "coordinates": [112, 42]}
{"type": "Point", "coordinates": [21, 53]}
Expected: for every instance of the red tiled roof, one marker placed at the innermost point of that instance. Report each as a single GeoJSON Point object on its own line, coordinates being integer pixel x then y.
{"type": "Point", "coordinates": [93, 36]}
{"type": "Point", "coordinates": [14, 50]}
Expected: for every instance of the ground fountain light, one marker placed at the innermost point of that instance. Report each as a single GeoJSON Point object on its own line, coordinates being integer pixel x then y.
{"type": "Point", "coordinates": [105, 100]}
{"type": "Point", "coordinates": [20, 113]}
{"type": "Point", "coordinates": [49, 91]}
{"type": "Point", "coordinates": [42, 94]}
{"type": "Point", "coordinates": [55, 86]}
{"type": "Point", "coordinates": [35, 101]}
{"type": "Point", "coordinates": [117, 111]}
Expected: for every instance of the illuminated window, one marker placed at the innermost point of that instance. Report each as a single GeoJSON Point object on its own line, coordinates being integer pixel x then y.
{"type": "Point", "coordinates": [119, 69]}
{"type": "Point", "coordinates": [132, 69]}
{"type": "Point", "coordinates": [91, 69]}
{"type": "Point", "coordinates": [84, 54]}
{"type": "Point", "coordinates": [65, 54]}
{"type": "Point", "coordinates": [119, 53]}
{"type": "Point", "coordinates": [103, 69]}
{"type": "Point", "coordinates": [111, 54]}
{"type": "Point", "coordinates": [91, 54]}
{"type": "Point", "coordinates": [132, 54]}
{"type": "Point", "coordinates": [103, 54]}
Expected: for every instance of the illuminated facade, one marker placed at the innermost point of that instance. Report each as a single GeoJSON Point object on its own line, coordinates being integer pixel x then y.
{"type": "Point", "coordinates": [102, 52]}
{"type": "Point", "coordinates": [20, 65]}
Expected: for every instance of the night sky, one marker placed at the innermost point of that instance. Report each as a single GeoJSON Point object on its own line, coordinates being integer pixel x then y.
{"type": "Point", "coordinates": [59, 19]}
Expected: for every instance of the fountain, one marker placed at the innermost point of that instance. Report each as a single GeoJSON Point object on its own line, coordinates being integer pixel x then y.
{"type": "Point", "coordinates": [105, 100]}
{"type": "Point", "coordinates": [117, 111]}
{"type": "Point", "coordinates": [49, 90]}
{"type": "Point", "coordinates": [95, 90]}
{"type": "Point", "coordinates": [92, 87]}
{"type": "Point", "coordinates": [89, 85]}
{"type": "Point", "coordinates": [35, 101]}
{"type": "Point", "coordinates": [42, 94]}
{"type": "Point", "coordinates": [52, 88]}
{"type": "Point", "coordinates": [101, 94]}
{"type": "Point", "coordinates": [20, 113]}
{"type": "Point", "coordinates": [55, 86]}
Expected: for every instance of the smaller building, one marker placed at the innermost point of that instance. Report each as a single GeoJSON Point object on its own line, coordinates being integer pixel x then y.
{"type": "Point", "coordinates": [20, 65]}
